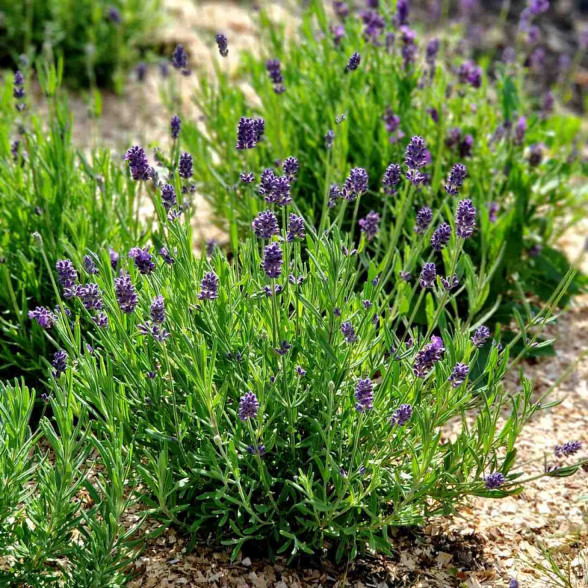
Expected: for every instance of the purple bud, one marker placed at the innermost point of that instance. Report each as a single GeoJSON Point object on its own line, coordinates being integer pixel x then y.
{"type": "Point", "coordinates": [209, 287]}
{"type": "Point", "coordinates": [248, 406]}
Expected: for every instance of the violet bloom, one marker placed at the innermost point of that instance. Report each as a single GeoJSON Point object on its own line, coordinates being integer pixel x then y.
{"type": "Point", "coordinates": [428, 356]}
{"type": "Point", "coordinates": [168, 196]}
{"type": "Point", "coordinates": [44, 317]}
{"type": "Point", "coordinates": [520, 130]}
{"type": "Point", "coordinates": [433, 114]}
{"type": "Point", "coordinates": [567, 449]}
{"type": "Point", "coordinates": [279, 191]}
{"type": "Point", "coordinates": [265, 225]}
{"type": "Point", "coordinates": [179, 59]}
{"type": "Point", "coordinates": [353, 62]}
{"type": "Point", "coordinates": [141, 71]}
{"type": "Point", "coordinates": [401, 415]}
{"type": "Point", "coordinates": [295, 228]}
{"type": "Point", "coordinates": [364, 394]}
{"type": "Point", "coordinates": [258, 449]}
{"type": "Point", "coordinates": [423, 220]}
{"type": "Point", "coordinates": [90, 296]}
{"type": "Point", "coordinates": [459, 374]}
{"type": "Point", "coordinates": [90, 265]}
{"type": "Point", "coordinates": [175, 126]}
{"type": "Point", "coordinates": [456, 178]}
{"type": "Point", "coordinates": [417, 155]}
{"type": "Point", "coordinates": [432, 51]}
{"type": "Point", "coordinates": [59, 363]}
{"type": "Point", "coordinates": [249, 132]}
{"type": "Point", "coordinates": [329, 138]}
{"type": "Point", "coordinates": [338, 32]}
{"type": "Point", "coordinates": [402, 11]}
{"type": "Point", "coordinates": [185, 168]}
{"type": "Point", "coordinates": [143, 260]}
{"type": "Point", "coordinates": [537, 7]}
{"type": "Point", "coordinates": [18, 86]}
{"type": "Point", "coordinates": [248, 406]}
{"type": "Point", "coordinates": [535, 154]}
{"type": "Point", "coordinates": [114, 257]}
{"type": "Point", "coordinates": [493, 212]}
{"type": "Point", "coordinates": [449, 282]}
{"type": "Point", "coordinates": [101, 320]}
{"type": "Point", "coordinates": [113, 15]}
{"type": "Point", "coordinates": [157, 310]}
{"type": "Point", "coordinates": [158, 332]}
{"type": "Point", "coordinates": [428, 275]}
{"type": "Point", "coordinates": [209, 287]}
{"type": "Point", "coordinates": [370, 225]}
{"type": "Point", "coordinates": [247, 177]}
{"type": "Point", "coordinates": [514, 583]}
{"type": "Point", "coordinates": [494, 480]}
{"type": "Point", "coordinates": [283, 348]}
{"type": "Point", "coordinates": [67, 276]}
{"type": "Point", "coordinates": [290, 167]}
{"type": "Point", "coordinates": [348, 332]}
{"type": "Point", "coordinates": [466, 145]}
{"type": "Point", "coordinates": [223, 44]}
{"type": "Point", "coordinates": [548, 102]}
{"type": "Point", "coordinates": [341, 9]}
{"type": "Point", "coordinates": [356, 184]}
{"type": "Point", "coordinates": [391, 179]}
{"type": "Point", "coordinates": [465, 219]}
{"type": "Point", "coordinates": [272, 260]}
{"type": "Point", "coordinates": [480, 336]}
{"type": "Point", "coordinates": [125, 293]}
{"type": "Point", "coordinates": [374, 25]}
{"type": "Point", "coordinates": [274, 70]}
{"type": "Point", "coordinates": [138, 164]}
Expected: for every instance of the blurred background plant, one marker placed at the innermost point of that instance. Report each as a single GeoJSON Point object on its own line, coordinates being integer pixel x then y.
{"type": "Point", "coordinates": [99, 39]}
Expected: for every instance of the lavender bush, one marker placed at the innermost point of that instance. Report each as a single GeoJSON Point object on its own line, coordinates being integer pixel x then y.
{"type": "Point", "coordinates": [425, 124]}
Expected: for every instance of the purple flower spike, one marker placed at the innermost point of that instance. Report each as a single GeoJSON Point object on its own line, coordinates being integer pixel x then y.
{"type": "Point", "coordinates": [348, 332]}
{"type": "Point", "coordinates": [465, 219]}
{"type": "Point", "coordinates": [480, 336]}
{"type": "Point", "coordinates": [457, 175]}
{"type": "Point", "coordinates": [428, 275]}
{"type": "Point", "coordinates": [391, 179]}
{"type": "Point", "coordinates": [274, 70]}
{"type": "Point", "coordinates": [272, 260]}
{"type": "Point", "coordinates": [209, 287]}
{"type": "Point", "coordinates": [249, 132]}
{"type": "Point", "coordinates": [423, 220]}
{"type": "Point", "coordinates": [90, 296]}
{"type": "Point", "coordinates": [364, 394]}
{"type": "Point", "coordinates": [168, 196]}
{"type": "Point", "coordinates": [265, 225]}
{"type": "Point", "coordinates": [450, 282]}
{"type": "Point", "coordinates": [247, 177]}
{"type": "Point", "coordinates": [179, 59]}
{"type": "Point", "coordinates": [417, 155]}
{"type": "Point", "coordinates": [138, 164]}
{"type": "Point", "coordinates": [90, 265]}
{"type": "Point", "coordinates": [66, 274]}
{"type": "Point", "coordinates": [223, 44]}
{"type": "Point", "coordinates": [370, 225]}
{"type": "Point", "coordinates": [353, 62]}
{"type": "Point", "coordinates": [175, 126]}
{"type": "Point", "coordinates": [114, 257]}
{"type": "Point", "coordinates": [568, 448]}
{"type": "Point", "coordinates": [428, 356]}
{"type": "Point", "coordinates": [290, 167]}
{"type": "Point", "coordinates": [441, 236]}
{"type": "Point", "coordinates": [459, 374]}
{"type": "Point", "coordinates": [59, 363]}
{"type": "Point", "coordinates": [402, 11]}
{"type": "Point", "coordinates": [101, 320]}
{"type": "Point", "coordinates": [295, 228]}
{"type": "Point", "coordinates": [401, 415]}
{"type": "Point", "coordinates": [494, 480]}
{"type": "Point", "coordinates": [185, 168]}
{"type": "Point", "coordinates": [44, 317]}
{"type": "Point", "coordinates": [356, 184]}
{"type": "Point", "coordinates": [157, 310]}
{"type": "Point", "coordinates": [248, 406]}
{"type": "Point", "coordinates": [125, 293]}
{"type": "Point", "coordinates": [143, 260]}
{"type": "Point", "coordinates": [520, 130]}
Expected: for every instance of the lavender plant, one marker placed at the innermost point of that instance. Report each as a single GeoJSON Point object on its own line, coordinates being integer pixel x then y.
{"type": "Point", "coordinates": [281, 398]}
{"type": "Point", "coordinates": [469, 144]}
{"type": "Point", "coordinates": [56, 202]}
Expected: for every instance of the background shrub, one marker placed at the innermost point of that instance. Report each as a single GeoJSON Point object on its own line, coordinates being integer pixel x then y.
{"type": "Point", "coordinates": [471, 122]}
{"type": "Point", "coordinates": [99, 39]}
